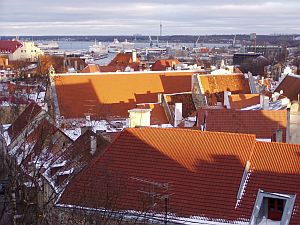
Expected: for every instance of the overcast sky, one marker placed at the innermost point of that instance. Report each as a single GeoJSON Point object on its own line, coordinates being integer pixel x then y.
{"type": "Point", "coordinates": [117, 17]}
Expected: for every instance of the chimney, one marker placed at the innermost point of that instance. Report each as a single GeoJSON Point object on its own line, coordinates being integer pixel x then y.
{"type": "Point", "coordinates": [76, 65]}
{"type": "Point", "coordinates": [139, 117]}
{"type": "Point", "coordinates": [264, 102]}
{"type": "Point", "coordinates": [159, 96]}
{"type": "Point", "coordinates": [178, 114]}
{"type": "Point", "coordinates": [278, 135]}
{"type": "Point", "coordinates": [133, 55]}
{"type": "Point", "coordinates": [93, 144]}
{"type": "Point", "coordinates": [288, 125]}
{"type": "Point", "coordinates": [84, 129]}
{"type": "Point", "coordinates": [226, 99]}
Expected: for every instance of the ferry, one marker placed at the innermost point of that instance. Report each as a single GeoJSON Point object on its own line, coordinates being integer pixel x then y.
{"type": "Point", "coordinates": [48, 46]}
{"type": "Point", "coordinates": [116, 46]}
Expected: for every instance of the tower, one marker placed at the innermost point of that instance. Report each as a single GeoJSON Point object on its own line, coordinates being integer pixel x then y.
{"type": "Point", "coordinates": [160, 29]}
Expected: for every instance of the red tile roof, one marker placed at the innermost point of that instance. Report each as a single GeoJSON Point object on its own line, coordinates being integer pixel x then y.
{"type": "Point", "coordinates": [290, 86]}
{"type": "Point", "coordinates": [79, 153]}
{"type": "Point", "coordinates": [24, 119]}
{"type": "Point", "coordinates": [112, 95]}
{"type": "Point", "coordinates": [163, 64]}
{"type": "Point", "coordinates": [8, 46]}
{"type": "Point", "coordinates": [262, 123]}
{"type": "Point", "coordinates": [123, 60]}
{"type": "Point", "coordinates": [202, 169]}
{"type": "Point", "coordinates": [274, 168]}
{"type": "Point", "coordinates": [188, 107]}
{"type": "Point", "coordinates": [240, 101]}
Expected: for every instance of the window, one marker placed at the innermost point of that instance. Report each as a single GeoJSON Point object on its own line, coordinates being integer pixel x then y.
{"type": "Point", "coordinates": [272, 207]}
{"type": "Point", "coordinates": [275, 208]}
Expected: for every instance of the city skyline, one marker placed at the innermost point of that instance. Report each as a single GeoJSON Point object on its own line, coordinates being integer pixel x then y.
{"type": "Point", "coordinates": [143, 17]}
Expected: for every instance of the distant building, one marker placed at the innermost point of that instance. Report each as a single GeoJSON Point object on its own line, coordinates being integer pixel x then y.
{"type": "Point", "coordinates": [267, 51]}
{"type": "Point", "coordinates": [16, 50]}
{"type": "Point", "coordinates": [240, 58]}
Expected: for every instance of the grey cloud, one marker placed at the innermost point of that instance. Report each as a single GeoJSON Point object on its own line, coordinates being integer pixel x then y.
{"type": "Point", "coordinates": [143, 16]}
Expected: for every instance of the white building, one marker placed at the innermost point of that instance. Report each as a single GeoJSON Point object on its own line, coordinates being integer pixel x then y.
{"type": "Point", "coordinates": [16, 50]}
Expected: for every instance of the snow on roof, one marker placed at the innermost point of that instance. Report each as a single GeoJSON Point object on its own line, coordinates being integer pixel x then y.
{"type": "Point", "coordinates": [66, 172]}
{"type": "Point", "coordinates": [136, 215]}
{"type": "Point", "coordinates": [276, 105]}
{"type": "Point", "coordinates": [73, 133]}
{"type": "Point", "coordinates": [5, 133]}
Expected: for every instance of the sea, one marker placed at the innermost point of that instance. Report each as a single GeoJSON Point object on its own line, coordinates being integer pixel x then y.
{"type": "Point", "coordinates": [84, 46]}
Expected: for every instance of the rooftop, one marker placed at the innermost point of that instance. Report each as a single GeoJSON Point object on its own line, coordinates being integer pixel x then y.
{"type": "Point", "coordinates": [106, 95]}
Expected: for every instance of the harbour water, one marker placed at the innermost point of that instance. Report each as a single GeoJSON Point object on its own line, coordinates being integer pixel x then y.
{"type": "Point", "coordinates": [84, 45]}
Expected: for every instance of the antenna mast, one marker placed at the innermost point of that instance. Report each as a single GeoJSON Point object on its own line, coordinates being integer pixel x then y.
{"type": "Point", "coordinates": [160, 29]}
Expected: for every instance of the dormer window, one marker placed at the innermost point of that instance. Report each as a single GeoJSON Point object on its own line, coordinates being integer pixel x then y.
{"type": "Point", "coordinates": [272, 208]}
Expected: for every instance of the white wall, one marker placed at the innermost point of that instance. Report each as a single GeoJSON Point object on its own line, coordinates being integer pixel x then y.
{"type": "Point", "coordinates": [28, 51]}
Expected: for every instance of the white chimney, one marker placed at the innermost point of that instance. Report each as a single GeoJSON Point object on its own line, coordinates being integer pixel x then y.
{"type": "Point", "coordinates": [278, 135]}
{"type": "Point", "coordinates": [159, 97]}
{"type": "Point", "coordinates": [264, 102]}
{"type": "Point", "coordinates": [178, 114]}
{"type": "Point", "coordinates": [93, 144]}
{"type": "Point", "coordinates": [226, 99]}
{"type": "Point", "coordinates": [133, 55]}
{"type": "Point", "coordinates": [76, 65]}
{"type": "Point", "coordinates": [139, 117]}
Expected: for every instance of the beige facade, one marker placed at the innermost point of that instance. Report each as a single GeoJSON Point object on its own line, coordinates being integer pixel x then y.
{"type": "Point", "coordinates": [293, 129]}
{"type": "Point", "coordinates": [139, 117]}
{"type": "Point", "coordinates": [28, 51]}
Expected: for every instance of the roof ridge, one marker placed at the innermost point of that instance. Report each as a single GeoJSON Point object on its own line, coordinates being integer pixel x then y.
{"type": "Point", "coordinates": [192, 130]}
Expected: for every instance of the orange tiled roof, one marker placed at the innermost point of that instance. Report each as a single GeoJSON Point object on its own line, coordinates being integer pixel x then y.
{"type": "Point", "coordinates": [290, 86]}
{"type": "Point", "coordinates": [240, 101]}
{"type": "Point", "coordinates": [262, 123]}
{"type": "Point", "coordinates": [112, 95]}
{"type": "Point", "coordinates": [274, 168]}
{"type": "Point", "coordinates": [162, 64]}
{"type": "Point", "coordinates": [236, 83]}
{"type": "Point", "coordinates": [203, 171]}
{"type": "Point", "coordinates": [158, 115]}
{"type": "Point", "coordinates": [92, 68]}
